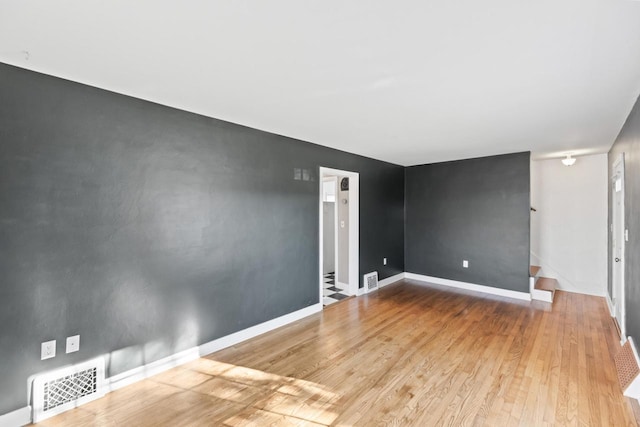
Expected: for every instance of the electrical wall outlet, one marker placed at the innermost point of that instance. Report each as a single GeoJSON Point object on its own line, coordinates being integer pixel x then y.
{"type": "Point", "coordinates": [384, 261]}
{"type": "Point", "coordinates": [465, 263]}
{"type": "Point", "coordinates": [73, 343]}
{"type": "Point", "coordinates": [48, 350]}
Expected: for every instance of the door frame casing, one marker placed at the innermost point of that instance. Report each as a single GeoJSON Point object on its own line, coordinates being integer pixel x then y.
{"type": "Point", "coordinates": [334, 180]}
{"type": "Point", "coordinates": [354, 227]}
{"type": "Point", "coordinates": [618, 300]}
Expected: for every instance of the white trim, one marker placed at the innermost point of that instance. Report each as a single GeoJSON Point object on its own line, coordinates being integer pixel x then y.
{"type": "Point", "coordinates": [354, 233]}
{"type": "Point", "coordinates": [532, 284]}
{"type": "Point", "coordinates": [610, 304]}
{"type": "Point", "coordinates": [470, 286]}
{"type": "Point", "coordinates": [622, 297]}
{"type": "Point", "coordinates": [633, 390]}
{"type": "Point", "coordinates": [354, 228]}
{"type": "Point", "coordinates": [153, 368]}
{"type": "Point", "coordinates": [384, 282]}
{"type": "Point", "coordinates": [541, 295]}
{"type": "Point", "coordinates": [19, 417]}
{"type": "Point", "coordinates": [254, 331]}
{"type": "Point", "coordinates": [336, 233]}
{"type": "Point", "coordinates": [336, 255]}
{"type": "Point", "coordinates": [150, 369]}
{"type": "Point", "coordinates": [390, 280]}
{"type": "Point", "coordinates": [575, 291]}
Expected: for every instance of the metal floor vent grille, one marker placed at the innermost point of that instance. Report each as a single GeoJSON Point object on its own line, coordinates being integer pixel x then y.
{"type": "Point", "coordinates": [70, 388]}
{"type": "Point", "coordinates": [626, 366]}
{"type": "Point", "coordinates": [58, 391]}
{"type": "Point", "coordinates": [371, 282]}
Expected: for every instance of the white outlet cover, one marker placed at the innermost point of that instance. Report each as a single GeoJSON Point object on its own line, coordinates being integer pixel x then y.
{"type": "Point", "coordinates": [384, 261]}
{"type": "Point", "coordinates": [48, 350]}
{"type": "Point", "coordinates": [73, 343]}
{"type": "Point", "coordinates": [465, 263]}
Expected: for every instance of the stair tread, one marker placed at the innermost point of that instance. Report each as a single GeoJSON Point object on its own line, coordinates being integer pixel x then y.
{"type": "Point", "coordinates": [533, 270]}
{"type": "Point", "coordinates": [546, 284]}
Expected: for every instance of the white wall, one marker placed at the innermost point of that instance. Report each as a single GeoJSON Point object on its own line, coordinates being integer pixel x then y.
{"type": "Point", "coordinates": [569, 229]}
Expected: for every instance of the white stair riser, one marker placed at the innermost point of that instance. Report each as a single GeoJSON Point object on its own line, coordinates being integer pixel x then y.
{"type": "Point", "coordinates": [540, 295]}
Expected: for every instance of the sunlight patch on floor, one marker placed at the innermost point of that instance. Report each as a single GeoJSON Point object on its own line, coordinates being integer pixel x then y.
{"type": "Point", "coordinates": [266, 393]}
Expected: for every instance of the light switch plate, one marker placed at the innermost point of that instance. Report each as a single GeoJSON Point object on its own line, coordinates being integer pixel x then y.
{"type": "Point", "coordinates": [48, 350]}
{"type": "Point", "coordinates": [465, 263]}
{"type": "Point", "coordinates": [73, 343]}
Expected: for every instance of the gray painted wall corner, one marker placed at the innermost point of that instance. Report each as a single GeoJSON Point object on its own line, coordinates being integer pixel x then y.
{"type": "Point", "coordinates": [475, 210]}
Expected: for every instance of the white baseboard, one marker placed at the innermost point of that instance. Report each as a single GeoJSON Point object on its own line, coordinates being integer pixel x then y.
{"type": "Point", "coordinates": [254, 331]}
{"type": "Point", "coordinates": [390, 280]}
{"type": "Point", "coordinates": [384, 282]}
{"type": "Point", "coordinates": [137, 374]}
{"type": "Point", "coordinates": [540, 295]}
{"type": "Point", "coordinates": [469, 286]}
{"type": "Point", "coordinates": [610, 304]}
{"type": "Point", "coordinates": [23, 416]}
{"type": "Point", "coordinates": [633, 390]}
{"type": "Point", "coordinates": [150, 369]}
{"type": "Point", "coordinates": [580, 291]}
{"type": "Point", "coordinates": [532, 284]}
{"type": "Point", "coordinates": [19, 417]}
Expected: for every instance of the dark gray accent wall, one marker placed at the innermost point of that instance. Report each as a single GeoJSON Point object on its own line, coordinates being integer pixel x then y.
{"type": "Point", "coordinates": [475, 210]}
{"type": "Point", "coordinates": [628, 142]}
{"type": "Point", "coordinates": [148, 230]}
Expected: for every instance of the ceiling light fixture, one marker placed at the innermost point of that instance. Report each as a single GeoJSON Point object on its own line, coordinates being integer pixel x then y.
{"type": "Point", "coordinates": [568, 161]}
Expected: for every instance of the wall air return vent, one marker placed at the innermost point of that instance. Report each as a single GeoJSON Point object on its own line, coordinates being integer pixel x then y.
{"type": "Point", "coordinates": [371, 282]}
{"type": "Point", "coordinates": [67, 388]}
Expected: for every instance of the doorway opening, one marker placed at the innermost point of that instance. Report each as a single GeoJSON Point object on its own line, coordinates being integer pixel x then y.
{"type": "Point", "coordinates": [339, 234]}
{"type": "Point", "coordinates": [618, 237]}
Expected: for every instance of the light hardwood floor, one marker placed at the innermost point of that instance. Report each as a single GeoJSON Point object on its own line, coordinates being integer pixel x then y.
{"type": "Point", "coordinates": [407, 355]}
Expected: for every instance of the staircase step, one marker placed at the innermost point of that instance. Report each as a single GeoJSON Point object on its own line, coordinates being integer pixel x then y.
{"type": "Point", "coordinates": [544, 289]}
{"type": "Point", "coordinates": [534, 270]}
{"type": "Point", "coordinates": [546, 284]}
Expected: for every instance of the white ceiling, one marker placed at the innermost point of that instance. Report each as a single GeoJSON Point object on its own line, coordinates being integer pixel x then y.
{"type": "Point", "coordinates": [409, 82]}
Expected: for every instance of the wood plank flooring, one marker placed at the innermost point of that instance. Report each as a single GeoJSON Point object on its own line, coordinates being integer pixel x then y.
{"type": "Point", "coordinates": [407, 355]}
